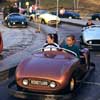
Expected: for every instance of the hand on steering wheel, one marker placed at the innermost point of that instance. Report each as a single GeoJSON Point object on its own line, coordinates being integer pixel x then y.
{"type": "Point", "coordinates": [50, 47]}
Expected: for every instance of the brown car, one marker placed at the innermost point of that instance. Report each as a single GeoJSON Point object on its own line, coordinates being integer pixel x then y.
{"type": "Point", "coordinates": [51, 71]}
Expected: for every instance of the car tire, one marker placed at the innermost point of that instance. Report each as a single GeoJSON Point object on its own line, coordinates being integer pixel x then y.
{"type": "Point", "coordinates": [31, 19]}
{"type": "Point", "coordinates": [72, 84]}
{"type": "Point", "coordinates": [43, 21]}
{"type": "Point", "coordinates": [26, 26]}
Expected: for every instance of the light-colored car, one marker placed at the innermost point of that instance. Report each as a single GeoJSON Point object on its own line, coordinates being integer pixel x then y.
{"type": "Point", "coordinates": [91, 37]}
{"type": "Point", "coordinates": [45, 18]}
{"type": "Point", "coordinates": [49, 19]}
{"type": "Point", "coordinates": [35, 14]}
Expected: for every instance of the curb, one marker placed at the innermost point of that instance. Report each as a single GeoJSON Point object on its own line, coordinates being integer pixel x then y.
{"type": "Point", "coordinates": [71, 23]}
{"type": "Point", "coordinates": [75, 22]}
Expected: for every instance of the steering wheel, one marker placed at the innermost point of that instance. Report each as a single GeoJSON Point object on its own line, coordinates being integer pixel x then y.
{"type": "Point", "coordinates": [73, 53]}
{"type": "Point", "coordinates": [50, 47]}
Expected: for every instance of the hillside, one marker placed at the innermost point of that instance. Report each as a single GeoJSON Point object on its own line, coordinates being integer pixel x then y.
{"type": "Point", "coordinates": [91, 5]}
{"type": "Point", "coordinates": [85, 6]}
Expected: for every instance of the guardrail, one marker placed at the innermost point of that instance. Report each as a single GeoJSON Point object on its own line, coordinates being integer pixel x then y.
{"type": "Point", "coordinates": [77, 22]}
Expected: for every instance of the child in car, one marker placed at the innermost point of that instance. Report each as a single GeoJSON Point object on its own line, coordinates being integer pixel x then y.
{"type": "Point", "coordinates": [50, 42]}
{"type": "Point", "coordinates": [70, 45]}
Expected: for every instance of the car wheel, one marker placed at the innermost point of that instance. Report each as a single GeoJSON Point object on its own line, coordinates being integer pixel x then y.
{"type": "Point", "coordinates": [70, 17]}
{"type": "Point", "coordinates": [26, 26]}
{"type": "Point", "coordinates": [72, 84]}
{"type": "Point", "coordinates": [88, 61]}
{"type": "Point", "coordinates": [43, 21]}
{"type": "Point", "coordinates": [30, 19]}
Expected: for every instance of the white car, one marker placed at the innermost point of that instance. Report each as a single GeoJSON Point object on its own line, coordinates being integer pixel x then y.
{"type": "Point", "coordinates": [44, 17]}
{"type": "Point", "coordinates": [49, 19]}
{"type": "Point", "coordinates": [35, 14]}
{"type": "Point", "coordinates": [91, 37]}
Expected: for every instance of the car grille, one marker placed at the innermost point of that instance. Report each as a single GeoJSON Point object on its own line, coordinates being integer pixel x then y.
{"type": "Point", "coordinates": [94, 42]}
{"type": "Point", "coordinates": [17, 23]}
{"type": "Point", "coordinates": [41, 83]}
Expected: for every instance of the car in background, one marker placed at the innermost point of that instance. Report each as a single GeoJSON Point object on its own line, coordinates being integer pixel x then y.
{"type": "Point", "coordinates": [15, 20]}
{"type": "Point", "coordinates": [95, 16]}
{"type": "Point", "coordinates": [36, 13]}
{"type": "Point", "coordinates": [90, 37]}
{"type": "Point", "coordinates": [49, 19]}
{"type": "Point", "coordinates": [44, 17]}
{"type": "Point", "coordinates": [67, 14]}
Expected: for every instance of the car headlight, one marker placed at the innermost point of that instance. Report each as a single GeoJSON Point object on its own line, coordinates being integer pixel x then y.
{"type": "Point", "coordinates": [13, 22]}
{"type": "Point", "coordinates": [25, 82]}
{"type": "Point", "coordinates": [52, 84]}
{"type": "Point", "coordinates": [22, 22]}
{"type": "Point", "coordinates": [90, 42]}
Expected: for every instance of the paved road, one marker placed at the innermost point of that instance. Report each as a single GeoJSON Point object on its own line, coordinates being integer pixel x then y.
{"type": "Point", "coordinates": [90, 89]}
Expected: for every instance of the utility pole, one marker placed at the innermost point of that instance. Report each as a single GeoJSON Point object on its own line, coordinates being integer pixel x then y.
{"type": "Point", "coordinates": [78, 4]}
{"type": "Point", "coordinates": [38, 20]}
{"type": "Point", "coordinates": [57, 15]}
{"type": "Point", "coordinates": [74, 4]}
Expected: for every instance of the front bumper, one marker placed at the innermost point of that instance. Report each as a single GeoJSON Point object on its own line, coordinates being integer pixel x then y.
{"type": "Point", "coordinates": [84, 44]}
{"type": "Point", "coordinates": [18, 24]}
{"type": "Point", "coordinates": [53, 22]}
{"type": "Point", "coordinates": [30, 95]}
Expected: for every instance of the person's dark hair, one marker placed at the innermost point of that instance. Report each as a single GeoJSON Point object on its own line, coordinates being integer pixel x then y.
{"type": "Point", "coordinates": [72, 37]}
{"type": "Point", "coordinates": [51, 36]}
{"type": "Point", "coordinates": [54, 37]}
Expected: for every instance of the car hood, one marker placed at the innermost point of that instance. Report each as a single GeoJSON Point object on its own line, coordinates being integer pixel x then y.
{"type": "Point", "coordinates": [17, 18]}
{"type": "Point", "coordinates": [48, 16]}
{"type": "Point", "coordinates": [46, 68]}
{"type": "Point", "coordinates": [91, 34]}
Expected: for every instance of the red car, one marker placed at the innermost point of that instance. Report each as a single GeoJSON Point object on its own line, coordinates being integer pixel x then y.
{"type": "Point", "coordinates": [1, 43]}
{"type": "Point", "coordinates": [50, 72]}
